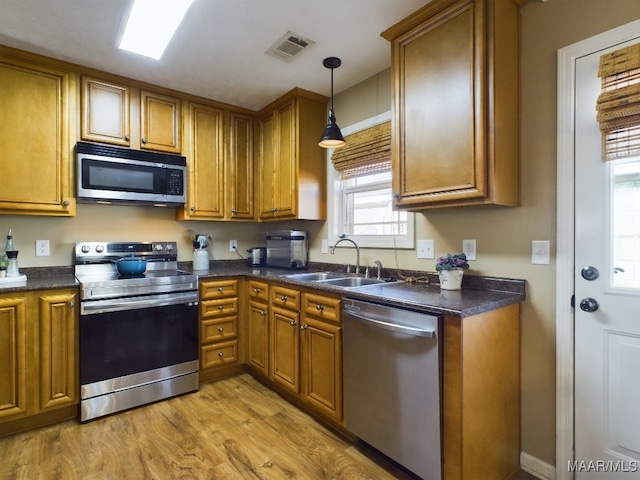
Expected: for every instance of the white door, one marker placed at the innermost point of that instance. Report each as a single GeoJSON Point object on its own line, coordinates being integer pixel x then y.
{"type": "Point", "coordinates": [607, 297]}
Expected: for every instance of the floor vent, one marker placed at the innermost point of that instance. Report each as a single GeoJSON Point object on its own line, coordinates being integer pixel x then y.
{"type": "Point", "coordinates": [289, 46]}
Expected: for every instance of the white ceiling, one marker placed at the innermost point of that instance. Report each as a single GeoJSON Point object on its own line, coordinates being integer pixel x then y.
{"type": "Point", "coordinates": [218, 51]}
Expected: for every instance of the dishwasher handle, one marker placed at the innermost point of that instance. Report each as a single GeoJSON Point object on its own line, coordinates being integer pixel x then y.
{"type": "Point", "coordinates": [394, 327]}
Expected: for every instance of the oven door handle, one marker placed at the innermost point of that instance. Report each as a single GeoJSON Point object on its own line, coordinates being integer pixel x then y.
{"type": "Point", "coordinates": [135, 303]}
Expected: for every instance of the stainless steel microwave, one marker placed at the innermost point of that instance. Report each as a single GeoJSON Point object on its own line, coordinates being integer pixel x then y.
{"type": "Point", "coordinates": [118, 175]}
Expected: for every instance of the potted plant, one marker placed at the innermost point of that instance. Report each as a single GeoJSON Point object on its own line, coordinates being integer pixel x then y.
{"type": "Point", "coordinates": [450, 268]}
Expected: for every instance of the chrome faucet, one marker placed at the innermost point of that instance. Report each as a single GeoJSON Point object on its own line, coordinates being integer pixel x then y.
{"type": "Point", "coordinates": [378, 264]}
{"type": "Point", "coordinates": [333, 250]}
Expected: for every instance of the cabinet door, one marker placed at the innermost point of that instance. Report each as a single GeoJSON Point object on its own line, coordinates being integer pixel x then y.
{"type": "Point", "coordinates": [35, 140]}
{"type": "Point", "coordinates": [105, 112]}
{"type": "Point", "coordinates": [160, 126]}
{"type": "Point", "coordinates": [285, 348]}
{"type": "Point", "coordinates": [239, 178]}
{"type": "Point", "coordinates": [440, 143]}
{"type": "Point", "coordinates": [258, 341]}
{"type": "Point", "coordinates": [268, 175]}
{"type": "Point", "coordinates": [13, 357]}
{"type": "Point", "coordinates": [285, 199]}
{"type": "Point", "coordinates": [58, 361]}
{"type": "Point", "coordinates": [322, 366]}
{"type": "Point", "coordinates": [205, 166]}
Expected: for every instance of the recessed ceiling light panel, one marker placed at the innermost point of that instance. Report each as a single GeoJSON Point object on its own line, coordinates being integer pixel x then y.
{"type": "Point", "coordinates": [151, 25]}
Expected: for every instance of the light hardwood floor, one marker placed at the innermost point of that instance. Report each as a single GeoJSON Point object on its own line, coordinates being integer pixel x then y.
{"type": "Point", "coordinates": [231, 429]}
{"type": "Point", "coordinates": [235, 428]}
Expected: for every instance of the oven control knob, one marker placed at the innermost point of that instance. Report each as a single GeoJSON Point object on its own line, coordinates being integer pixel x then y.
{"type": "Point", "coordinates": [158, 247]}
{"type": "Point", "coordinates": [99, 248]}
{"type": "Point", "coordinates": [169, 247]}
{"type": "Point", "coordinates": [85, 249]}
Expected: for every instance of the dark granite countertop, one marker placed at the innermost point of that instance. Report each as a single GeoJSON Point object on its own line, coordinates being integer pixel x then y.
{"type": "Point", "coordinates": [479, 294]}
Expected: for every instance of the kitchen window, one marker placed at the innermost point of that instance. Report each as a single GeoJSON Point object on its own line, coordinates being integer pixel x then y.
{"type": "Point", "coordinates": [360, 195]}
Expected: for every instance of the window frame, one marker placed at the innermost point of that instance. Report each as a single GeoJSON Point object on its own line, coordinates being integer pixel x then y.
{"type": "Point", "coordinates": [335, 199]}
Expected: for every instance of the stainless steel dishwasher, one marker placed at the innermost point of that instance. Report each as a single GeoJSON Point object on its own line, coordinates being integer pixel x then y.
{"type": "Point", "coordinates": [392, 383]}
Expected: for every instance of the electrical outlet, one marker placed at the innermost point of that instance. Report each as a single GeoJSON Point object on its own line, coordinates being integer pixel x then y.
{"type": "Point", "coordinates": [469, 249]}
{"type": "Point", "coordinates": [42, 248]}
{"type": "Point", "coordinates": [233, 245]}
{"type": "Point", "coordinates": [540, 252]}
{"type": "Point", "coordinates": [426, 249]}
{"type": "Point", "coordinates": [325, 245]}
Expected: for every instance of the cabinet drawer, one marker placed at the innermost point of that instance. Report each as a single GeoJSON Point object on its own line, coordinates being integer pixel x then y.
{"type": "Point", "coordinates": [218, 354]}
{"type": "Point", "coordinates": [222, 307]}
{"type": "Point", "coordinates": [285, 297]}
{"type": "Point", "coordinates": [320, 306]}
{"type": "Point", "coordinates": [259, 290]}
{"type": "Point", "coordinates": [218, 289]}
{"type": "Point", "coordinates": [215, 330]}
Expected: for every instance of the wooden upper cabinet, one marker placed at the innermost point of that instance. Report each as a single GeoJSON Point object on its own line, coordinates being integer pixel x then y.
{"type": "Point", "coordinates": [105, 112]}
{"type": "Point", "coordinates": [219, 165]}
{"type": "Point", "coordinates": [292, 167]}
{"type": "Point", "coordinates": [455, 79]}
{"type": "Point", "coordinates": [160, 122]}
{"type": "Point", "coordinates": [36, 138]}
{"type": "Point", "coordinates": [130, 117]}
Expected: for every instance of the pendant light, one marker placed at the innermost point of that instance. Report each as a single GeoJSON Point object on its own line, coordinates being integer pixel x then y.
{"type": "Point", "coordinates": [332, 136]}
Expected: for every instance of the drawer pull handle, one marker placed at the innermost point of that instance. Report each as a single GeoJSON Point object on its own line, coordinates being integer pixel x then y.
{"type": "Point", "coordinates": [220, 289]}
{"type": "Point", "coordinates": [220, 329]}
{"type": "Point", "coordinates": [284, 298]}
{"type": "Point", "coordinates": [256, 290]}
{"type": "Point", "coordinates": [319, 307]}
{"type": "Point", "coordinates": [293, 323]}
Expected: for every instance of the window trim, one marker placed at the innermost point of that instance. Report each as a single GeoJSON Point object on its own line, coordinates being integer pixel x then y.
{"type": "Point", "coordinates": [334, 201]}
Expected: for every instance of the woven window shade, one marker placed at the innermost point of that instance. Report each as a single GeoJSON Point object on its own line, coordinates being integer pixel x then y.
{"type": "Point", "coordinates": [366, 152]}
{"type": "Point", "coordinates": [618, 105]}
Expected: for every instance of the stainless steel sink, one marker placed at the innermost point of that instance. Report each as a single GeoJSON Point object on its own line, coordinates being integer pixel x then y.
{"type": "Point", "coordinates": [350, 282]}
{"type": "Point", "coordinates": [315, 277]}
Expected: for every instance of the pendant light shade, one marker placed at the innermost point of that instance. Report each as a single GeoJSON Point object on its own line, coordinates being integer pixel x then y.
{"type": "Point", "coordinates": [332, 136]}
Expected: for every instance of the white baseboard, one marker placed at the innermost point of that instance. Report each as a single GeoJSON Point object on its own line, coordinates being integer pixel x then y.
{"type": "Point", "coordinates": [537, 467]}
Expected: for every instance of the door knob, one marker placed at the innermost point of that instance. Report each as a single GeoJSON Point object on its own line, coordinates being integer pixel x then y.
{"type": "Point", "coordinates": [589, 304]}
{"type": "Point", "coordinates": [590, 273]}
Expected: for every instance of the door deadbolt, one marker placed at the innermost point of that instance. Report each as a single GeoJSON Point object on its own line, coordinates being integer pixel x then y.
{"type": "Point", "coordinates": [590, 273]}
{"type": "Point", "coordinates": [589, 304]}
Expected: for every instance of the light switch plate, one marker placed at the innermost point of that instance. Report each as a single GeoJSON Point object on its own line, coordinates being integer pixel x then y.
{"type": "Point", "coordinates": [426, 249]}
{"type": "Point", "coordinates": [540, 252]}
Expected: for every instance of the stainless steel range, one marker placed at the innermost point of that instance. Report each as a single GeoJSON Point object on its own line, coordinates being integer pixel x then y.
{"type": "Point", "coordinates": [139, 333]}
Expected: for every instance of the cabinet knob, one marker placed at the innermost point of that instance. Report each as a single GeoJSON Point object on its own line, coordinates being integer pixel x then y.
{"type": "Point", "coordinates": [256, 290]}
{"type": "Point", "coordinates": [319, 307]}
{"type": "Point", "coordinates": [293, 323]}
{"type": "Point", "coordinates": [71, 304]}
{"type": "Point", "coordinates": [127, 138]}
{"type": "Point", "coordinates": [304, 327]}
{"type": "Point", "coordinates": [284, 298]}
{"type": "Point", "coordinates": [274, 210]}
{"type": "Point", "coordinates": [220, 354]}
{"type": "Point", "coordinates": [143, 140]}
{"type": "Point", "coordinates": [396, 195]}
{"type": "Point", "coordinates": [220, 289]}
{"type": "Point", "coordinates": [220, 329]}
{"type": "Point", "coordinates": [65, 203]}
{"type": "Point", "coordinates": [263, 313]}
{"type": "Point", "coordinates": [234, 211]}
{"type": "Point", "coordinates": [193, 209]}
{"type": "Point", "coordinates": [220, 307]}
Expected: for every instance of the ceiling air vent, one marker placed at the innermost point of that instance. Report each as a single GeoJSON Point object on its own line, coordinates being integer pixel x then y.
{"type": "Point", "coordinates": [289, 46]}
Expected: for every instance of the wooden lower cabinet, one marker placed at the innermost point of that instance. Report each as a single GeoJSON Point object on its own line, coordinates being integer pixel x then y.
{"type": "Point", "coordinates": [219, 327]}
{"type": "Point", "coordinates": [258, 327]}
{"type": "Point", "coordinates": [39, 372]}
